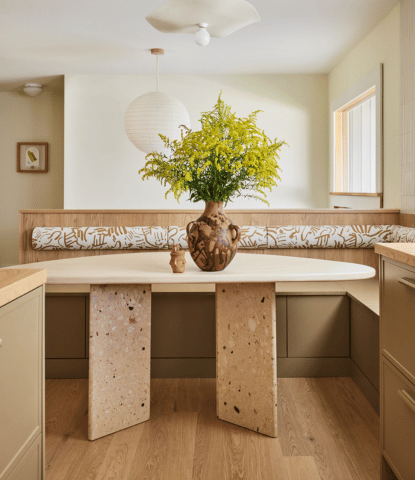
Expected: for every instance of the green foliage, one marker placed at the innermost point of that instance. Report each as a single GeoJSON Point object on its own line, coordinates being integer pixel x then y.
{"type": "Point", "coordinates": [228, 157]}
{"type": "Point", "coordinates": [32, 157]}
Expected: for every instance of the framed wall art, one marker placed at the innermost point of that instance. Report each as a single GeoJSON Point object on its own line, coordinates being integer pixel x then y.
{"type": "Point", "coordinates": [32, 157]}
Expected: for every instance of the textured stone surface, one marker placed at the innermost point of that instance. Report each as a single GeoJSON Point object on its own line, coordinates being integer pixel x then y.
{"type": "Point", "coordinates": [119, 357]}
{"type": "Point", "coordinates": [246, 366]}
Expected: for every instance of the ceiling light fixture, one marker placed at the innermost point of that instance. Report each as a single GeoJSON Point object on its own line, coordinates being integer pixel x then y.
{"type": "Point", "coordinates": [33, 89]}
{"type": "Point", "coordinates": [202, 36]}
{"type": "Point", "coordinates": [183, 16]}
{"type": "Point", "coordinates": [153, 113]}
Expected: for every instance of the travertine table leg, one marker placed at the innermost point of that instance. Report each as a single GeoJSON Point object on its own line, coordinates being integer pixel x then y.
{"type": "Point", "coordinates": [246, 356]}
{"type": "Point", "coordinates": [119, 357]}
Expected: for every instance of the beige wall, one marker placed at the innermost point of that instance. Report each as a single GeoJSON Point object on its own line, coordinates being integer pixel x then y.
{"type": "Point", "coordinates": [382, 45]}
{"type": "Point", "coordinates": [22, 119]}
{"type": "Point", "coordinates": [101, 164]}
{"type": "Point", "coordinates": [407, 106]}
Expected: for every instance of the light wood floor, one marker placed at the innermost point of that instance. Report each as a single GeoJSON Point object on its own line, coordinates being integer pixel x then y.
{"type": "Point", "coordinates": [327, 431]}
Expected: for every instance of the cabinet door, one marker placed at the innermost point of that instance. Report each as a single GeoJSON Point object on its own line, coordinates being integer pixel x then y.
{"type": "Point", "coordinates": [183, 325]}
{"type": "Point", "coordinates": [65, 326]}
{"type": "Point", "coordinates": [30, 466]}
{"type": "Point", "coordinates": [318, 326]}
{"type": "Point", "coordinates": [364, 335]}
{"type": "Point", "coordinates": [21, 377]}
{"type": "Point", "coordinates": [398, 315]}
{"type": "Point", "coordinates": [398, 422]}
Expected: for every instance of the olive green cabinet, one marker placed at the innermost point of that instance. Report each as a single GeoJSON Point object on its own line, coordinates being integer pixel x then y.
{"type": "Point", "coordinates": [397, 389]}
{"type": "Point", "coordinates": [22, 387]}
{"type": "Point", "coordinates": [66, 335]}
{"type": "Point", "coordinates": [364, 351]}
{"type": "Point", "coordinates": [318, 326]}
{"type": "Point", "coordinates": [312, 335]}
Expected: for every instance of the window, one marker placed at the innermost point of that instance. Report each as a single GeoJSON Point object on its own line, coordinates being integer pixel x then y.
{"type": "Point", "coordinates": [357, 138]}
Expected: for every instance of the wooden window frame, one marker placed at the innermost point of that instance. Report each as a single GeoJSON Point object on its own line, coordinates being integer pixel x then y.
{"type": "Point", "coordinates": [371, 84]}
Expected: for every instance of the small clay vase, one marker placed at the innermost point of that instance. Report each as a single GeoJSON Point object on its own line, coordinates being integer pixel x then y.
{"type": "Point", "coordinates": [178, 260]}
{"type": "Point", "coordinates": [213, 239]}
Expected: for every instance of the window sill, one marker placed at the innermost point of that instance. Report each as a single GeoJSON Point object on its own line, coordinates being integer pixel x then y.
{"type": "Point", "coordinates": [355, 194]}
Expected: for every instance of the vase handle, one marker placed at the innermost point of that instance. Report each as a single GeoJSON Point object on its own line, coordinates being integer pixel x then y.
{"type": "Point", "coordinates": [190, 238]}
{"type": "Point", "coordinates": [238, 234]}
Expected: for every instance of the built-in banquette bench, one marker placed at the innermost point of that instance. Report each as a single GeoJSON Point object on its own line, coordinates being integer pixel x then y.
{"type": "Point", "coordinates": [324, 329]}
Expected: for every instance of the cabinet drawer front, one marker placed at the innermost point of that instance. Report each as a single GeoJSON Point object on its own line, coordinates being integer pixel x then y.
{"type": "Point", "coordinates": [398, 315]}
{"type": "Point", "coordinates": [30, 466]}
{"type": "Point", "coordinates": [398, 420]}
{"type": "Point", "coordinates": [21, 375]}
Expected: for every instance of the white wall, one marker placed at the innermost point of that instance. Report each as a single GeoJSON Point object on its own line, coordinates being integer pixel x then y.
{"type": "Point", "coordinates": [382, 45]}
{"type": "Point", "coordinates": [28, 119]}
{"type": "Point", "coordinates": [101, 164]}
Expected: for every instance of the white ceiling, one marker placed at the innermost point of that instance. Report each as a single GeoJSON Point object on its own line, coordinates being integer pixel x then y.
{"type": "Point", "coordinates": [42, 38]}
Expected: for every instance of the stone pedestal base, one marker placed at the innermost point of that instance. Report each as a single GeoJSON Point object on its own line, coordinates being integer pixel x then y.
{"type": "Point", "coordinates": [119, 357]}
{"type": "Point", "coordinates": [246, 356]}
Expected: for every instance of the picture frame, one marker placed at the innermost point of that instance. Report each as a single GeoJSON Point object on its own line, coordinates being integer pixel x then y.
{"type": "Point", "coordinates": [32, 157]}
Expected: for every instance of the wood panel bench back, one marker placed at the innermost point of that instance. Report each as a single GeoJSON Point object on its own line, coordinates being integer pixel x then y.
{"type": "Point", "coordinates": [30, 219]}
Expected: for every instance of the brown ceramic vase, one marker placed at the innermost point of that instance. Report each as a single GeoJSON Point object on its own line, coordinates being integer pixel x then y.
{"type": "Point", "coordinates": [213, 239]}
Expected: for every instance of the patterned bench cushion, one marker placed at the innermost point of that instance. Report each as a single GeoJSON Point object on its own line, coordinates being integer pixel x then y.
{"type": "Point", "coordinates": [99, 238]}
{"type": "Point", "coordinates": [401, 234]}
{"type": "Point", "coordinates": [292, 236]}
{"type": "Point", "coordinates": [327, 236]}
{"type": "Point", "coordinates": [253, 237]}
{"type": "Point", "coordinates": [178, 236]}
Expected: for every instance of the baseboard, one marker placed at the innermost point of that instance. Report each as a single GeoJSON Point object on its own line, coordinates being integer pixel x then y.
{"type": "Point", "coordinates": [313, 367]}
{"type": "Point", "coordinates": [183, 367]}
{"type": "Point", "coordinates": [206, 368]}
{"type": "Point", "coordinates": [286, 367]}
{"type": "Point", "coordinates": [366, 387]}
{"type": "Point", "coordinates": [66, 368]}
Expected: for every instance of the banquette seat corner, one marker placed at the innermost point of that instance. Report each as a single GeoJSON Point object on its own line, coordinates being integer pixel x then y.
{"type": "Point", "coordinates": [352, 242]}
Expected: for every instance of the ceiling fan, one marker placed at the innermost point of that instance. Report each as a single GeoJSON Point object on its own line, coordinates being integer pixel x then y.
{"type": "Point", "coordinates": [203, 18]}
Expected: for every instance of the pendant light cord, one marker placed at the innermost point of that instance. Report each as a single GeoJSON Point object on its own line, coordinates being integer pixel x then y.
{"type": "Point", "coordinates": [157, 72]}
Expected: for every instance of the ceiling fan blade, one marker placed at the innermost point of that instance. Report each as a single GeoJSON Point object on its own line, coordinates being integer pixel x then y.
{"type": "Point", "coordinates": [222, 16]}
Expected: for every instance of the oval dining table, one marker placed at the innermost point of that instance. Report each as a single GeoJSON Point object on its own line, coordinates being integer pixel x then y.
{"type": "Point", "coordinates": [246, 336]}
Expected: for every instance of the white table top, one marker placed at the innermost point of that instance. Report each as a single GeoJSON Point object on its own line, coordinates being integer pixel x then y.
{"type": "Point", "coordinates": [154, 268]}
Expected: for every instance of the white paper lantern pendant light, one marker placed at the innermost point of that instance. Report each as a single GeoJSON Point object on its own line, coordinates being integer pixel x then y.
{"type": "Point", "coordinates": [153, 113]}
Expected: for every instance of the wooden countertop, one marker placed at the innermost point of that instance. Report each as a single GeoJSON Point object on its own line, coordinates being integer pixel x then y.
{"type": "Point", "coordinates": [401, 252]}
{"type": "Point", "coordinates": [15, 282]}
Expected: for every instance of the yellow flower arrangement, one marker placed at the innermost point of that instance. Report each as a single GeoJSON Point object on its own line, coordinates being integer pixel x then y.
{"type": "Point", "coordinates": [228, 157]}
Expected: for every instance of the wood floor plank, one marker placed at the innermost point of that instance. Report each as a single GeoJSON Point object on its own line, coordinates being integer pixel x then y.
{"type": "Point", "coordinates": [353, 421]}
{"type": "Point", "coordinates": [163, 395]}
{"type": "Point", "coordinates": [208, 462]}
{"type": "Point", "coordinates": [189, 394]}
{"type": "Point", "coordinates": [226, 451]}
{"type": "Point", "coordinates": [301, 468]}
{"type": "Point", "coordinates": [291, 427]}
{"type": "Point", "coordinates": [120, 454]}
{"type": "Point", "coordinates": [83, 459]}
{"type": "Point", "coordinates": [325, 448]}
{"type": "Point", "coordinates": [166, 448]}
{"type": "Point", "coordinates": [65, 405]}
{"type": "Point", "coordinates": [71, 455]}
{"type": "Point", "coordinates": [326, 432]}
